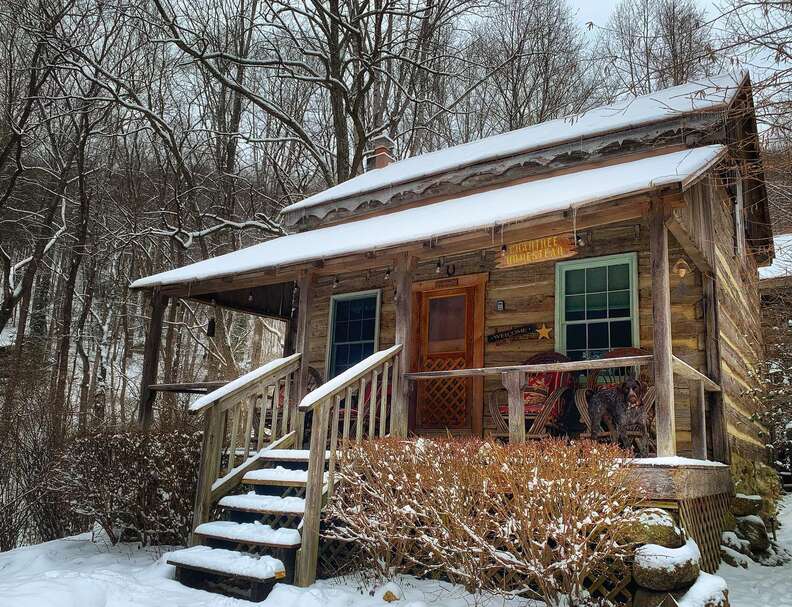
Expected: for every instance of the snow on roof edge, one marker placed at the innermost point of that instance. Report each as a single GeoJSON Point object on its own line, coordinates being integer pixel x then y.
{"type": "Point", "coordinates": [664, 105]}
{"type": "Point", "coordinates": [463, 214]}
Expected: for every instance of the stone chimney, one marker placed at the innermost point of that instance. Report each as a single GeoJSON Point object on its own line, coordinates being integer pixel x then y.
{"type": "Point", "coordinates": [381, 154]}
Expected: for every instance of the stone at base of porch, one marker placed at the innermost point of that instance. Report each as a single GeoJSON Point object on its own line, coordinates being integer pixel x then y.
{"type": "Point", "coordinates": [698, 492]}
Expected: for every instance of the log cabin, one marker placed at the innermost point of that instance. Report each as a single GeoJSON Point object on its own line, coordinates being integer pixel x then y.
{"type": "Point", "coordinates": [482, 289]}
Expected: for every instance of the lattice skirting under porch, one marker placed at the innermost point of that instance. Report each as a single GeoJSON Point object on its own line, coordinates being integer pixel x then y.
{"type": "Point", "coordinates": [702, 519]}
{"type": "Point", "coordinates": [340, 558]}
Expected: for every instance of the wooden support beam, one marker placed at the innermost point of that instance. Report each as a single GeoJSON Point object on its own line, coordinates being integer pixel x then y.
{"type": "Point", "coordinates": [306, 284]}
{"type": "Point", "coordinates": [698, 419]}
{"type": "Point", "coordinates": [151, 358]}
{"type": "Point", "coordinates": [661, 328]}
{"type": "Point", "coordinates": [214, 429]}
{"type": "Point", "coordinates": [686, 242]}
{"type": "Point", "coordinates": [513, 382]}
{"type": "Point", "coordinates": [402, 282]}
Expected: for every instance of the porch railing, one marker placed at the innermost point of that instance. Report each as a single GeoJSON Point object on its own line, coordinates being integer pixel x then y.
{"type": "Point", "coordinates": [513, 378]}
{"type": "Point", "coordinates": [356, 404]}
{"type": "Point", "coordinates": [241, 418]}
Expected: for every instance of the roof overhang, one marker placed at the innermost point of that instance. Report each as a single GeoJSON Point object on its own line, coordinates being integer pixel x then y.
{"type": "Point", "coordinates": [567, 199]}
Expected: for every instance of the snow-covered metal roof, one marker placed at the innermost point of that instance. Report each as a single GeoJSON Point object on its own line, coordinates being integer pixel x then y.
{"type": "Point", "coordinates": [706, 94]}
{"type": "Point", "coordinates": [782, 263]}
{"type": "Point", "coordinates": [499, 206]}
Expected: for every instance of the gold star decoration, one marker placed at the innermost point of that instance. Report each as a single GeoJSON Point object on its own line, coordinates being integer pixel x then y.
{"type": "Point", "coordinates": [544, 331]}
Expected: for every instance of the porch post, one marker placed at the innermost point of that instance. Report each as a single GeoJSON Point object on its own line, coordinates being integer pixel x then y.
{"type": "Point", "coordinates": [305, 283]}
{"type": "Point", "coordinates": [151, 358]}
{"type": "Point", "coordinates": [698, 419]}
{"type": "Point", "coordinates": [402, 279]}
{"type": "Point", "coordinates": [661, 309]}
{"type": "Point", "coordinates": [513, 382]}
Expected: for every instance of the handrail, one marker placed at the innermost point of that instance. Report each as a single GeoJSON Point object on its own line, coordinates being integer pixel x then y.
{"type": "Point", "coordinates": [255, 377]}
{"type": "Point", "coordinates": [688, 372]}
{"type": "Point", "coordinates": [231, 430]}
{"type": "Point", "coordinates": [349, 377]}
{"type": "Point", "coordinates": [581, 365]}
{"type": "Point", "coordinates": [374, 413]}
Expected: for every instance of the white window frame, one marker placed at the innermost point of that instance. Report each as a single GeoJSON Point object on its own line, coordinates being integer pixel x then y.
{"type": "Point", "coordinates": [594, 262]}
{"type": "Point", "coordinates": [739, 215]}
{"type": "Point", "coordinates": [331, 320]}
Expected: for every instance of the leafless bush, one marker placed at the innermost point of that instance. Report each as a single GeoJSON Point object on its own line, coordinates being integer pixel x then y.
{"type": "Point", "coordinates": [537, 518]}
{"type": "Point", "coordinates": [132, 483]}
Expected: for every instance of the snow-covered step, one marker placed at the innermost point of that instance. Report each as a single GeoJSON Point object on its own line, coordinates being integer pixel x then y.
{"type": "Point", "coordinates": [249, 533]}
{"type": "Point", "coordinates": [228, 562]}
{"type": "Point", "coordinates": [279, 476]}
{"type": "Point", "coordinates": [288, 455]}
{"type": "Point", "coordinates": [264, 504]}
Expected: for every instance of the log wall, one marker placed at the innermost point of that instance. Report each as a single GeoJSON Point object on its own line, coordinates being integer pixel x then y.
{"type": "Point", "coordinates": [529, 294]}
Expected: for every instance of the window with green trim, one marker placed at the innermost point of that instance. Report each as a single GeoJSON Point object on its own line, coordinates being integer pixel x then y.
{"type": "Point", "coordinates": [353, 329]}
{"type": "Point", "coordinates": [596, 305]}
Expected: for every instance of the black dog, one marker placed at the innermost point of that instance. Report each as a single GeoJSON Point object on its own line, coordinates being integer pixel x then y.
{"type": "Point", "coordinates": [624, 406]}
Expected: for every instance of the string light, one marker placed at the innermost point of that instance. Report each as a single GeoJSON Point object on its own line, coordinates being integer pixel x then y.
{"type": "Point", "coordinates": [439, 266]}
{"type": "Point", "coordinates": [387, 274]}
{"type": "Point", "coordinates": [335, 282]}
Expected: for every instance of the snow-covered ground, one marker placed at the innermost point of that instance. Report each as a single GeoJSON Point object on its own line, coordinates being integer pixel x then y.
{"type": "Point", "coordinates": [760, 586]}
{"type": "Point", "coordinates": [76, 572]}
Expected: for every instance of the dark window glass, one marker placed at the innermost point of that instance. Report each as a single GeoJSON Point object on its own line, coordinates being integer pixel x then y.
{"type": "Point", "coordinates": [353, 331]}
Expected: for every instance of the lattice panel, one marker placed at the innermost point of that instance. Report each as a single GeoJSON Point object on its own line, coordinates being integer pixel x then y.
{"type": "Point", "coordinates": [342, 558]}
{"type": "Point", "coordinates": [443, 402]}
{"type": "Point", "coordinates": [702, 518]}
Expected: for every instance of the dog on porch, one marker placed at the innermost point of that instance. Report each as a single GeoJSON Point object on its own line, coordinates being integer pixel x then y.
{"type": "Point", "coordinates": [623, 405]}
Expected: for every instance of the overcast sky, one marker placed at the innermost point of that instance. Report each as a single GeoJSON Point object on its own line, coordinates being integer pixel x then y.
{"type": "Point", "coordinates": [599, 10]}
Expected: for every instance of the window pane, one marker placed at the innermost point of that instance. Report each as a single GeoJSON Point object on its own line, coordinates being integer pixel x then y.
{"type": "Point", "coordinates": [597, 305]}
{"type": "Point", "coordinates": [367, 349]}
{"type": "Point", "coordinates": [341, 331]}
{"type": "Point", "coordinates": [575, 307]}
{"type": "Point", "coordinates": [621, 334]}
{"type": "Point", "coordinates": [619, 304]}
{"type": "Point", "coordinates": [576, 354]}
{"type": "Point", "coordinates": [354, 330]}
{"type": "Point", "coordinates": [342, 354]}
{"type": "Point", "coordinates": [619, 277]}
{"type": "Point", "coordinates": [596, 279]}
{"type": "Point", "coordinates": [356, 308]}
{"type": "Point", "coordinates": [575, 282]}
{"type": "Point", "coordinates": [342, 310]}
{"type": "Point", "coordinates": [576, 337]}
{"type": "Point", "coordinates": [447, 324]}
{"type": "Point", "coordinates": [598, 336]}
{"type": "Point", "coordinates": [367, 331]}
{"type": "Point", "coordinates": [355, 351]}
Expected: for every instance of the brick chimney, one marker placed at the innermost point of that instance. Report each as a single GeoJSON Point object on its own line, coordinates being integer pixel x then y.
{"type": "Point", "coordinates": [381, 154]}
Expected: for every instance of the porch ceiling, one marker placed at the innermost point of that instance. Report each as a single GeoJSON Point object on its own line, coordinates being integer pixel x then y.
{"type": "Point", "coordinates": [483, 210]}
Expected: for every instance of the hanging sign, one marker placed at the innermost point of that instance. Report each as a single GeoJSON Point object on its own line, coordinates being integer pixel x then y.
{"type": "Point", "coordinates": [537, 250]}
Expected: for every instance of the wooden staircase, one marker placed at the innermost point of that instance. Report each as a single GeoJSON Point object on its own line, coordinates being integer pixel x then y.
{"type": "Point", "coordinates": [256, 523]}
{"type": "Point", "coordinates": [254, 543]}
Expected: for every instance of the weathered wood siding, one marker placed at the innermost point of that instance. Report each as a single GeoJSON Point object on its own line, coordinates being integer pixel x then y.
{"type": "Point", "coordinates": [740, 325]}
{"type": "Point", "coordinates": [529, 295]}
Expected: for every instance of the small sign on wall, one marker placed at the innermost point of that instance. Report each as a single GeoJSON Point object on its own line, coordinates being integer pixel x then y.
{"type": "Point", "coordinates": [531, 331]}
{"type": "Point", "coordinates": [538, 250]}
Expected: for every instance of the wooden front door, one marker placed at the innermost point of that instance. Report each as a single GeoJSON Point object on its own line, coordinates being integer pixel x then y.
{"type": "Point", "coordinates": [449, 335]}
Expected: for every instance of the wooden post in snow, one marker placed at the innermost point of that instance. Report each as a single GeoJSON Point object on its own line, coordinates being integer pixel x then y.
{"type": "Point", "coordinates": [151, 358]}
{"type": "Point", "coordinates": [661, 310]}
{"type": "Point", "coordinates": [402, 282]}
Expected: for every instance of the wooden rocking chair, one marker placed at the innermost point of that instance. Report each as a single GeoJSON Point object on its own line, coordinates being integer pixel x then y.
{"type": "Point", "coordinates": [606, 378]}
{"type": "Point", "coordinates": [542, 396]}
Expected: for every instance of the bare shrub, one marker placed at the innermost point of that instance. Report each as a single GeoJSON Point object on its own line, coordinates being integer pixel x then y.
{"type": "Point", "coordinates": [134, 484]}
{"type": "Point", "coordinates": [536, 519]}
